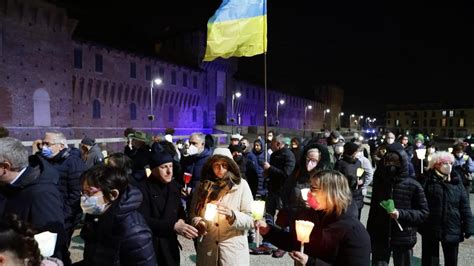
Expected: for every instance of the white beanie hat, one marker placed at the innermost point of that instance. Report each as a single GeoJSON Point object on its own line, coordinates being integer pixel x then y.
{"type": "Point", "coordinates": [223, 152]}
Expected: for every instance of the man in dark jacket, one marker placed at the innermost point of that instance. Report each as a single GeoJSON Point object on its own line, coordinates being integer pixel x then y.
{"type": "Point", "coordinates": [392, 181]}
{"type": "Point", "coordinates": [194, 157]}
{"type": "Point", "coordinates": [281, 166]}
{"type": "Point", "coordinates": [29, 189]}
{"type": "Point", "coordinates": [162, 208]}
{"type": "Point", "coordinates": [139, 152]}
{"type": "Point", "coordinates": [91, 153]}
{"type": "Point", "coordinates": [67, 161]}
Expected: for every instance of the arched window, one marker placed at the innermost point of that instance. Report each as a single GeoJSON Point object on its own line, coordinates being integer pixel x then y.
{"type": "Point", "coordinates": [41, 108]}
{"type": "Point", "coordinates": [96, 109]}
{"type": "Point", "coordinates": [133, 111]}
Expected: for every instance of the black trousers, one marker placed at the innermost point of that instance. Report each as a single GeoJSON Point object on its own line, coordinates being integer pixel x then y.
{"type": "Point", "coordinates": [402, 256]}
{"type": "Point", "coordinates": [430, 252]}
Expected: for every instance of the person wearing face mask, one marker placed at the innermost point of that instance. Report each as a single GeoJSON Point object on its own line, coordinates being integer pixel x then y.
{"type": "Point", "coordinates": [316, 159]}
{"type": "Point", "coordinates": [246, 167]}
{"type": "Point", "coordinates": [259, 155]}
{"type": "Point", "coordinates": [382, 149]}
{"type": "Point", "coordinates": [195, 157]}
{"type": "Point", "coordinates": [337, 238]}
{"type": "Point", "coordinates": [67, 161]}
{"type": "Point", "coordinates": [223, 240]}
{"type": "Point", "coordinates": [114, 232]}
{"type": "Point", "coordinates": [162, 207]}
{"type": "Point", "coordinates": [348, 166]}
{"type": "Point", "coordinates": [450, 219]}
{"type": "Point", "coordinates": [392, 181]}
{"type": "Point", "coordinates": [296, 148]}
{"type": "Point", "coordinates": [29, 190]}
{"type": "Point", "coordinates": [335, 142]}
{"type": "Point", "coordinates": [464, 165]}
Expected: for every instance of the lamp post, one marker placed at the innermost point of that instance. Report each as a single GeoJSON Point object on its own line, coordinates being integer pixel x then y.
{"type": "Point", "coordinates": [280, 102]}
{"type": "Point", "coordinates": [235, 95]}
{"type": "Point", "coordinates": [339, 119]}
{"type": "Point", "coordinates": [326, 111]}
{"type": "Point", "coordinates": [304, 123]}
{"type": "Point", "coordinates": [151, 117]}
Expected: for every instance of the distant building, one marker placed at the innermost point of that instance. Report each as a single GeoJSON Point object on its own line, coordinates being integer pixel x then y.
{"type": "Point", "coordinates": [430, 119]}
{"type": "Point", "coordinates": [48, 79]}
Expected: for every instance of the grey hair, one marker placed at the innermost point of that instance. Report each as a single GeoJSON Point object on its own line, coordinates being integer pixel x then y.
{"type": "Point", "coordinates": [280, 139]}
{"type": "Point", "coordinates": [14, 152]}
{"type": "Point", "coordinates": [200, 135]}
{"type": "Point", "coordinates": [58, 137]}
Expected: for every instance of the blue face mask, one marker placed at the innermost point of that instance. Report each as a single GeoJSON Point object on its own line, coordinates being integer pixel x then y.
{"type": "Point", "coordinates": [47, 152]}
{"type": "Point", "coordinates": [91, 205]}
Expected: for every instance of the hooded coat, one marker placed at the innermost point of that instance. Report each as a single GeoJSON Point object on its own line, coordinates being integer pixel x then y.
{"type": "Point", "coordinates": [409, 199]}
{"type": "Point", "coordinates": [226, 243]}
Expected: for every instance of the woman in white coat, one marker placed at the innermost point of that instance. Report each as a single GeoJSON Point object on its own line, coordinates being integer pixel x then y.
{"type": "Point", "coordinates": [223, 240]}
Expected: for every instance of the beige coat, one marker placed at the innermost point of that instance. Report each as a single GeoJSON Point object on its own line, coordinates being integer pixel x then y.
{"type": "Point", "coordinates": [226, 244]}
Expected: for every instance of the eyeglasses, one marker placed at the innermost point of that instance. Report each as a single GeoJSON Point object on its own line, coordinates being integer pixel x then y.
{"type": "Point", "coordinates": [90, 191]}
{"type": "Point", "coordinates": [49, 144]}
{"type": "Point", "coordinates": [219, 165]}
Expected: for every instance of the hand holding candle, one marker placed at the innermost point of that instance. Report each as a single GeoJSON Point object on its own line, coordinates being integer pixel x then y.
{"type": "Point", "coordinates": [258, 209]}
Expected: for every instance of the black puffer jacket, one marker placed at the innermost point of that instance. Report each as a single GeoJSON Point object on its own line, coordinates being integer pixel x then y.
{"type": "Point", "coordinates": [70, 166]}
{"type": "Point", "coordinates": [450, 214]}
{"type": "Point", "coordinates": [409, 200]}
{"type": "Point", "coordinates": [282, 164]}
{"type": "Point", "coordinates": [120, 236]}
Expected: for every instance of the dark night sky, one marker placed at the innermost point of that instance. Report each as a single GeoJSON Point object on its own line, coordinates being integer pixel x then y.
{"type": "Point", "coordinates": [378, 52]}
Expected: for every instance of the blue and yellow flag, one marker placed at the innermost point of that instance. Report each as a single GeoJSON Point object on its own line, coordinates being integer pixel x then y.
{"type": "Point", "coordinates": [238, 28]}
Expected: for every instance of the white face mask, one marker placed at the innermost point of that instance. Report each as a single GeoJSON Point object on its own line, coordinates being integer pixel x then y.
{"type": "Point", "coordinates": [91, 205]}
{"type": "Point", "coordinates": [310, 165]}
{"type": "Point", "coordinates": [390, 141]}
{"type": "Point", "coordinates": [445, 169]}
{"type": "Point", "coordinates": [359, 154]}
{"type": "Point", "coordinates": [459, 155]}
{"type": "Point", "coordinates": [192, 150]}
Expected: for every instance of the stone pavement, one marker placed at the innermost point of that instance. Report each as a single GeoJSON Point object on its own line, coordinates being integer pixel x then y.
{"type": "Point", "coordinates": [466, 250]}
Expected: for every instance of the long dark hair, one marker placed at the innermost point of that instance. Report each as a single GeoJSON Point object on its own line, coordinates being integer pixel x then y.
{"type": "Point", "coordinates": [17, 237]}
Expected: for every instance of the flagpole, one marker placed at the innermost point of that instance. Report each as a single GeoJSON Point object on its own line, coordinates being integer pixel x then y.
{"type": "Point", "coordinates": [265, 113]}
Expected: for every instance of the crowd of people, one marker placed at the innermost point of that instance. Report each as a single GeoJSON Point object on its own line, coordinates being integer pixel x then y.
{"type": "Point", "coordinates": [132, 205]}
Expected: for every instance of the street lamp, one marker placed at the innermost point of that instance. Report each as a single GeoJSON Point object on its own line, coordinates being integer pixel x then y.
{"type": "Point", "coordinates": [235, 95]}
{"type": "Point", "coordinates": [280, 102]}
{"type": "Point", "coordinates": [304, 124]}
{"type": "Point", "coordinates": [151, 117]}
{"type": "Point", "coordinates": [327, 111]}
{"type": "Point", "coordinates": [339, 118]}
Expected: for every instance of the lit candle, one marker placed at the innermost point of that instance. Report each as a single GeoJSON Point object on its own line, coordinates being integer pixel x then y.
{"type": "Point", "coordinates": [258, 209]}
{"type": "Point", "coordinates": [304, 193]}
{"type": "Point", "coordinates": [421, 153]}
{"type": "Point", "coordinates": [303, 230]}
{"type": "Point", "coordinates": [450, 149]}
{"type": "Point", "coordinates": [147, 172]}
{"type": "Point", "coordinates": [360, 172]}
{"type": "Point", "coordinates": [211, 210]}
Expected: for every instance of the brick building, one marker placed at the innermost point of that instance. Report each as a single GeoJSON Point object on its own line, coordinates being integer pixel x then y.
{"type": "Point", "coordinates": [49, 79]}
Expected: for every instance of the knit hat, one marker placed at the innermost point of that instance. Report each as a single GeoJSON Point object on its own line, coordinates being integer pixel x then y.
{"type": "Point", "coordinates": [159, 156]}
{"type": "Point", "coordinates": [236, 136]}
{"type": "Point", "coordinates": [88, 141]}
{"type": "Point", "coordinates": [350, 148]}
{"type": "Point", "coordinates": [236, 148]}
{"type": "Point", "coordinates": [223, 152]}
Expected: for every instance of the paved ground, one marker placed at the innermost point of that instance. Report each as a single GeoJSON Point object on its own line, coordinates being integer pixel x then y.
{"type": "Point", "coordinates": [466, 250]}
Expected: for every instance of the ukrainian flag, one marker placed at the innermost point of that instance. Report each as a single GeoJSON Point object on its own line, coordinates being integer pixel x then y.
{"type": "Point", "coordinates": [238, 28]}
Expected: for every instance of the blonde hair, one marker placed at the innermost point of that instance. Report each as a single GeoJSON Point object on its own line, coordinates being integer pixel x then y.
{"type": "Point", "coordinates": [440, 157]}
{"type": "Point", "coordinates": [334, 185]}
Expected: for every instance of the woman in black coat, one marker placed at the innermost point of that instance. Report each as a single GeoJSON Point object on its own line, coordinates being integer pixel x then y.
{"type": "Point", "coordinates": [114, 232]}
{"type": "Point", "coordinates": [162, 208]}
{"type": "Point", "coordinates": [450, 219]}
{"type": "Point", "coordinates": [337, 238]}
